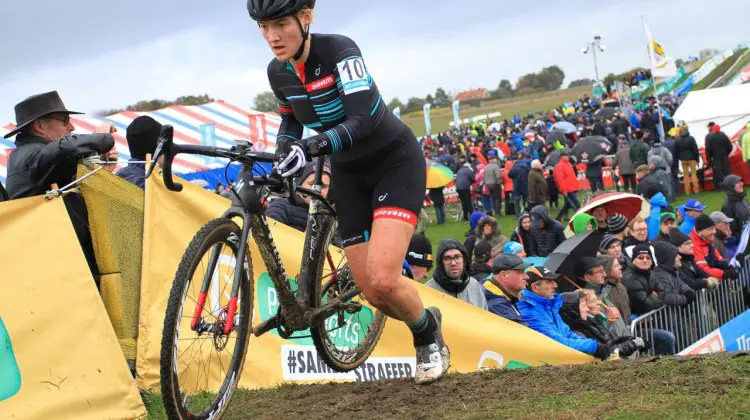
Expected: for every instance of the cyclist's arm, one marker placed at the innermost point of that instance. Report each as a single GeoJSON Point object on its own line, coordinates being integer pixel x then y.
{"type": "Point", "coordinates": [355, 91]}
{"type": "Point", "coordinates": [290, 129]}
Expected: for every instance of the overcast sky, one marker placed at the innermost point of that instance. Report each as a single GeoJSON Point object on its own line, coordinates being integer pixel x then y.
{"type": "Point", "coordinates": [104, 54]}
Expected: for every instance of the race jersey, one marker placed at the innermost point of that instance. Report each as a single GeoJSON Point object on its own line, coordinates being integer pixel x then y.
{"type": "Point", "coordinates": [335, 96]}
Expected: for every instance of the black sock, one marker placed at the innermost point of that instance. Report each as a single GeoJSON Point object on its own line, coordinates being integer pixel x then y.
{"type": "Point", "coordinates": [424, 330]}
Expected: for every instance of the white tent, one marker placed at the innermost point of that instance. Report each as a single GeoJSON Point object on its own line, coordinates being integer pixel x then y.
{"type": "Point", "coordinates": [728, 106]}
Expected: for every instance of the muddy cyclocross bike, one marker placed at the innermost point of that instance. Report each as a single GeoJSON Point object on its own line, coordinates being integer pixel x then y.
{"type": "Point", "coordinates": [209, 316]}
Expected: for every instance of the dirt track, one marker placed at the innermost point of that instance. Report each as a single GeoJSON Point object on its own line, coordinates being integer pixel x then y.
{"type": "Point", "coordinates": [699, 387]}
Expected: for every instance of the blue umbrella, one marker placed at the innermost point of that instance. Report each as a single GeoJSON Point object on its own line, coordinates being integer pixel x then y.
{"type": "Point", "coordinates": [565, 127]}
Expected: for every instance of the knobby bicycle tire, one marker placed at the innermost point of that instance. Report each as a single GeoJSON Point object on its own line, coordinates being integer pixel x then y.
{"type": "Point", "coordinates": [222, 230]}
{"type": "Point", "coordinates": [339, 360]}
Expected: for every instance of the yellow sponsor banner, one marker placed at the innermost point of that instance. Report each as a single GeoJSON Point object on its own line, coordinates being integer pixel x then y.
{"type": "Point", "coordinates": [59, 357]}
{"type": "Point", "coordinates": [477, 338]}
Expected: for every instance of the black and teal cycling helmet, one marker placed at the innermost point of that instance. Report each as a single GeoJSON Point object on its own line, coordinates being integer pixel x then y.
{"type": "Point", "coordinates": [276, 9]}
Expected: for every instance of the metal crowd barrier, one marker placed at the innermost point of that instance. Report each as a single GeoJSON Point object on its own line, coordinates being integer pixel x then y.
{"type": "Point", "coordinates": [689, 323]}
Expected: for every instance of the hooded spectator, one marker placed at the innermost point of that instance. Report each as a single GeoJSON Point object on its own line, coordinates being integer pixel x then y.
{"type": "Point", "coordinates": [693, 276]}
{"type": "Point", "coordinates": [142, 135]}
{"type": "Point", "coordinates": [691, 210]}
{"type": "Point", "coordinates": [735, 206]}
{"type": "Point", "coordinates": [625, 164]}
{"type": "Point", "coordinates": [657, 150]}
{"type": "Point", "coordinates": [584, 222]}
{"type": "Point", "coordinates": [488, 229]}
{"type": "Point", "coordinates": [618, 294]}
{"type": "Point", "coordinates": [419, 257]}
{"type": "Point", "coordinates": [659, 168]}
{"type": "Point", "coordinates": [538, 189]}
{"type": "Point", "coordinates": [642, 289]}
{"type": "Point", "coordinates": [546, 233]}
{"type": "Point", "coordinates": [540, 307]}
{"type": "Point", "coordinates": [471, 235]}
{"type": "Point", "coordinates": [295, 215]}
{"type": "Point", "coordinates": [504, 287]}
{"type": "Point", "coordinates": [688, 155]}
{"type": "Point", "coordinates": [522, 232]}
{"type": "Point", "coordinates": [480, 266]}
{"type": "Point", "coordinates": [723, 234]}
{"type": "Point", "coordinates": [707, 258]}
{"type": "Point", "coordinates": [519, 173]}
{"type": "Point", "coordinates": [452, 277]}
{"type": "Point", "coordinates": [648, 184]}
{"type": "Point", "coordinates": [617, 225]}
{"type": "Point", "coordinates": [672, 290]}
{"type": "Point", "coordinates": [464, 180]}
{"type": "Point", "coordinates": [718, 148]}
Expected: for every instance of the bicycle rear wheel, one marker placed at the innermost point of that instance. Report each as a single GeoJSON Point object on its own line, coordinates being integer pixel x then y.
{"type": "Point", "coordinates": [200, 362]}
{"type": "Point", "coordinates": [347, 338]}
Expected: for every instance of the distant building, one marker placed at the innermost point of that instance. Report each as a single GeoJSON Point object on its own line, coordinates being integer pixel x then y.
{"type": "Point", "coordinates": [474, 97]}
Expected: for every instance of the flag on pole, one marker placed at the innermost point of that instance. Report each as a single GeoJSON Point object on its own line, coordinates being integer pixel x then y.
{"type": "Point", "coordinates": [426, 109]}
{"type": "Point", "coordinates": [661, 65]}
{"type": "Point", "coordinates": [456, 117]}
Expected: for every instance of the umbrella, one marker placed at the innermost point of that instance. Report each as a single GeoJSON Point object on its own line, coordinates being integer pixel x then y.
{"type": "Point", "coordinates": [565, 127]}
{"type": "Point", "coordinates": [628, 205]}
{"type": "Point", "coordinates": [552, 158]}
{"type": "Point", "coordinates": [564, 259]}
{"type": "Point", "coordinates": [606, 112]}
{"type": "Point", "coordinates": [591, 148]}
{"type": "Point", "coordinates": [555, 135]}
{"type": "Point", "coordinates": [438, 175]}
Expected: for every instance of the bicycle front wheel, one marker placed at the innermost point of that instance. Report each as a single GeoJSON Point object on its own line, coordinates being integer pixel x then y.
{"type": "Point", "coordinates": [203, 345]}
{"type": "Point", "coordinates": [345, 339]}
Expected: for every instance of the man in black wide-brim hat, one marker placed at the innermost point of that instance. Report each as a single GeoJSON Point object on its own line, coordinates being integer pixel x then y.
{"type": "Point", "coordinates": [47, 153]}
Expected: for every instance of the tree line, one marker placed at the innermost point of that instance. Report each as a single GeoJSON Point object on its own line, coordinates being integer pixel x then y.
{"type": "Point", "coordinates": [156, 104]}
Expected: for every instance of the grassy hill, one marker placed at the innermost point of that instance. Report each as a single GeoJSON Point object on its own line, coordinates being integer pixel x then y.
{"type": "Point", "coordinates": [649, 388]}
{"type": "Point", "coordinates": [439, 117]}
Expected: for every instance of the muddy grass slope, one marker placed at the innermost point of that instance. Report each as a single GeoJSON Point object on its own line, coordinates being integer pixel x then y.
{"type": "Point", "coordinates": [667, 388]}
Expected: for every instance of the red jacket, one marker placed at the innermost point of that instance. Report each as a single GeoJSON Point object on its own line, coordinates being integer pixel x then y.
{"type": "Point", "coordinates": [700, 251]}
{"type": "Point", "coordinates": [565, 176]}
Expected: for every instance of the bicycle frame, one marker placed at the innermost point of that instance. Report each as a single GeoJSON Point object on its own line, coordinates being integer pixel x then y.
{"type": "Point", "coordinates": [295, 312]}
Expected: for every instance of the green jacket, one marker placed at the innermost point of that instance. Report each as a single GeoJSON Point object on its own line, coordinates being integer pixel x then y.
{"type": "Point", "coordinates": [746, 143]}
{"type": "Point", "coordinates": [639, 153]}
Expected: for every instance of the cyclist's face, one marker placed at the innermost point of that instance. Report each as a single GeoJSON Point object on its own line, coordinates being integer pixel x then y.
{"type": "Point", "coordinates": [284, 35]}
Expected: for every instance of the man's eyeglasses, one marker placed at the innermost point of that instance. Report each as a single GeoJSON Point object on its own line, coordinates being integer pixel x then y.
{"type": "Point", "coordinates": [65, 119]}
{"type": "Point", "coordinates": [456, 259]}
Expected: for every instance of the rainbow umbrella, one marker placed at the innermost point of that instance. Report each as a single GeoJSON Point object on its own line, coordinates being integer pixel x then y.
{"type": "Point", "coordinates": [438, 175]}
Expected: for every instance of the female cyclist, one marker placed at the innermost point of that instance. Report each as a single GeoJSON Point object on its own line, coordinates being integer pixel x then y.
{"type": "Point", "coordinates": [377, 167]}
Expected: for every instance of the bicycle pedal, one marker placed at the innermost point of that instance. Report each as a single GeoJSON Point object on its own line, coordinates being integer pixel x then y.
{"type": "Point", "coordinates": [266, 326]}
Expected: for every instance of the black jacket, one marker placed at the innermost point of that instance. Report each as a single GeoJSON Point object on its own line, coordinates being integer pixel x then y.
{"type": "Point", "coordinates": [620, 126]}
{"type": "Point", "coordinates": [134, 173]}
{"type": "Point", "coordinates": [735, 205]}
{"type": "Point", "coordinates": [521, 236]}
{"type": "Point", "coordinates": [718, 146]}
{"type": "Point", "coordinates": [649, 186]}
{"type": "Point", "coordinates": [480, 271]}
{"type": "Point", "coordinates": [690, 274]}
{"type": "Point", "coordinates": [464, 179]}
{"type": "Point", "coordinates": [436, 196]}
{"type": "Point", "coordinates": [36, 164]}
{"type": "Point", "coordinates": [546, 233]}
{"type": "Point", "coordinates": [287, 213]}
{"type": "Point", "coordinates": [672, 290]}
{"type": "Point", "coordinates": [687, 148]}
{"type": "Point", "coordinates": [640, 290]}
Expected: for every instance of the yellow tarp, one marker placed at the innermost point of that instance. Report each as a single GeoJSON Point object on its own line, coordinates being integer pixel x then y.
{"type": "Point", "coordinates": [476, 337]}
{"type": "Point", "coordinates": [115, 209]}
{"type": "Point", "coordinates": [69, 360]}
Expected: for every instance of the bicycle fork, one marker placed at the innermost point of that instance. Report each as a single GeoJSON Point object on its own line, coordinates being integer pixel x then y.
{"type": "Point", "coordinates": [239, 271]}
